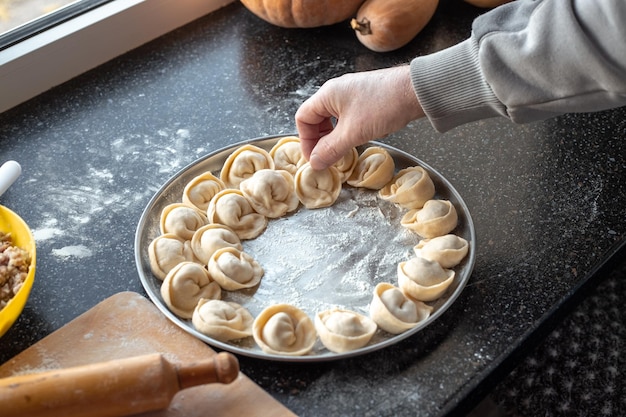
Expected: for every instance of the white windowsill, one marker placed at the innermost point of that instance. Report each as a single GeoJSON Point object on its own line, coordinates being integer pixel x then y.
{"type": "Point", "coordinates": [46, 60]}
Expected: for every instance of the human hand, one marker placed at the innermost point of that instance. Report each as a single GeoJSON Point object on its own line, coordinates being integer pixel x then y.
{"type": "Point", "coordinates": [366, 105]}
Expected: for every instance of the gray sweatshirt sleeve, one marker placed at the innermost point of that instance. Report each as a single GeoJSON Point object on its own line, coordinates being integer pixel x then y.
{"type": "Point", "coordinates": [528, 60]}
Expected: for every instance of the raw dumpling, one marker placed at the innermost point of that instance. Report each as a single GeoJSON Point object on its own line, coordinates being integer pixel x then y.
{"type": "Point", "coordinates": [283, 329]}
{"type": "Point", "coordinates": [244, 162]}
{"type": "Point", "coordinates": [234, 269]}
{"type": "Point", "coordinates": [229, 207]}
{"type": "Point", "coordinates": [222, 320]}
{"type": "Point", "coordinates": [211, 237]}
{"type": "Point", "coordinates": [181, 220]}
{"type": "Point", "coordinates": [394, 312]}
{"type": "Point", "coordinates": [436, 218]}
{"type": "Point", "coordinates": [270, 192]}
{"type": "Point", "coordinates": [423, 279]}
{"type": "Point", "coordinates": [287, 154]}
{"type": "Point", "coordinates": [347, 163]}
{"type": "Point", "coordinates": [317, 189]}
{"type": "Point", "coordinates": [410, 188]}
{"type": "Point", "coordinates": [200, 190]}
{"type": "Point", "coordinates": [344, 330]}
{"type": "Point", "coordinates": [448, 250]}
{"type": "Point", "coordinates": [374, 169]}
{"type": "Point", "coordinates": [185, 285]}
{"type": "Point", "coordinates": [166, 251]}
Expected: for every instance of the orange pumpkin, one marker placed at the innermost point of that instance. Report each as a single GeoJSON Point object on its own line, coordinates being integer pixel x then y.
{"type": "Point", "coordinates": [303, 13]}
{"type": "Point", "coordinates": [386, 25]}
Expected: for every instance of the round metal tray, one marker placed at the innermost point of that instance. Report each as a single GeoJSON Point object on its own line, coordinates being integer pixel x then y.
{"type": "Point", "coordinates": [315, 259]}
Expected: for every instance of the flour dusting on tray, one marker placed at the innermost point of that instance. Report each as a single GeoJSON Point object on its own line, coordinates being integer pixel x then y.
{"type": "Point", "coordinates": [331, 257]}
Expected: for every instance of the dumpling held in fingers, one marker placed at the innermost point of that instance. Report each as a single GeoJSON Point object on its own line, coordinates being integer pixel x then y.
{"type": "Point", "coordinates": [347, 163]}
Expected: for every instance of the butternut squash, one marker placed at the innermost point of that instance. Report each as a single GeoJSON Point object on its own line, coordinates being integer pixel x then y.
{"type": "Point", "coordinates": [386, 25]}
{"type": "Point", "coordinates": [303, 13]}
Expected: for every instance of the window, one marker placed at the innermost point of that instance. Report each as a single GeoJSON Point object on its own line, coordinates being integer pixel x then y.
{"type": "Point", "coordinates": [80, 41]}
{"type": "Point", "coordinates": [20, 19]}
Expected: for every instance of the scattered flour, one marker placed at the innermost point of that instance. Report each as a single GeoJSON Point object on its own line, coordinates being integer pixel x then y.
{"type": "Point", "coordinates": [88, 196]}
{"type": "Point", "coordinates": [46, 233]}
{"type": "Point", "coordinates": [78, 251]}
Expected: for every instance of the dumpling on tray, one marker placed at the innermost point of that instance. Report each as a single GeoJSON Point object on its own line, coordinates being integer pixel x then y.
{"type": "Point", "coordinates": [166, 251]}
{"type": "Point", "coordinates": [283, 329]}
{"type": "Point", "coordinates": [271, 192]}
{"type": "Point", "coordinates": [436, 218]}
{"type": "Point", "coordinates": [244, 162]}
{"type": "Point", "coordinates": [182, 220]}
{"type": "Point", "coordinates": [344, 330]}
{"type": "Point", "coordinates": [200, 190]}
{"type": "Point", "coordinates": [287, 154]}
{"type": "Point", "coordinates": [423, 279]}
{"type": "Point", "coordinates": [222, 320]}
{"type": "Point", "coordinates": [409, 188]}
{"type": "Point", "coordinates": [231, 208]}
{"type": "Point", "coordinates": [317, 189]}
{"type": "Point", "coordinates": [234, 269]}
{"type": "Point", "coordinates": [395, 312]}
{"type": "Point", "coordinates": [211, 237]}
{"type": "Point", "coordinates": [185, 285]}
{"type": "Point", "coordinates": [448, 250]}
{"type": "Point", "coordinates": [374, 169]}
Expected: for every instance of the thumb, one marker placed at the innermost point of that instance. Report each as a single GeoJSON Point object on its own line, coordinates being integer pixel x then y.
{"type": "Point", "coordinates": [328, 150]}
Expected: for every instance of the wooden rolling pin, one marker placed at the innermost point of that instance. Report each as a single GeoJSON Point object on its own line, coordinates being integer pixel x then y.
{"type": "Point", "coordinates": [110, 389]}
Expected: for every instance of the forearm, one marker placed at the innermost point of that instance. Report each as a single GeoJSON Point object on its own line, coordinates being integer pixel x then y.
{"type": "Point", "coordinates": [528, 60]}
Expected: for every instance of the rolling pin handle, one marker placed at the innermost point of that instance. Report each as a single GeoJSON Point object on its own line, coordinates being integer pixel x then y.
{"type": "Point", "coordinates": [9, 171]}
{"type": "Point", "coordinates": [224, 368]}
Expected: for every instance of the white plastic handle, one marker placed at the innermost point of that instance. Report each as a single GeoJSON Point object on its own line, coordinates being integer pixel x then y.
{"type": "Point", "coordinates": [9, 171]}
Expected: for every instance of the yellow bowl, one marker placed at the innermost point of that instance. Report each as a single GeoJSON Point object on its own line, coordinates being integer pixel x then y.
{"type": "Point", "coordinates": [22, 237]}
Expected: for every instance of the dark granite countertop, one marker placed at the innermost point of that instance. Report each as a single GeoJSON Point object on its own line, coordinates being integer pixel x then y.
{"type": "Point", "coordinates": [547, 199]}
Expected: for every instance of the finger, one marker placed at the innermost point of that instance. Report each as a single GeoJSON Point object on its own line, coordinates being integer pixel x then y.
{"type": "Point", "coordinates": [330, 149]}
{"type": "Point", "coordinates": [313, 121]}
{"type": "Point", "coordinates": [310, 114]}
{"type": "Point", "coordinates": [310, 136]}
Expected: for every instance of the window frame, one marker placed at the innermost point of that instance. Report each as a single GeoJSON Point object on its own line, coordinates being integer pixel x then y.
{"type": "Point", "coordinates": [31, 28]}
{"type": "Point", "coordinates": [49, 58]}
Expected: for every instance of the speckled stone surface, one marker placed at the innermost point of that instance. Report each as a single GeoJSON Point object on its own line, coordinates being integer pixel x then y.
{"type": "Point", "coordinates": [578, 370]}
{"type": "Point", "coordinates": [547, 199]}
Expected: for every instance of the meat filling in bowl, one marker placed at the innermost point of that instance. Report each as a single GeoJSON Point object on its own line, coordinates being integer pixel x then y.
{"type": "Point", "coordinates": [14, 264]}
